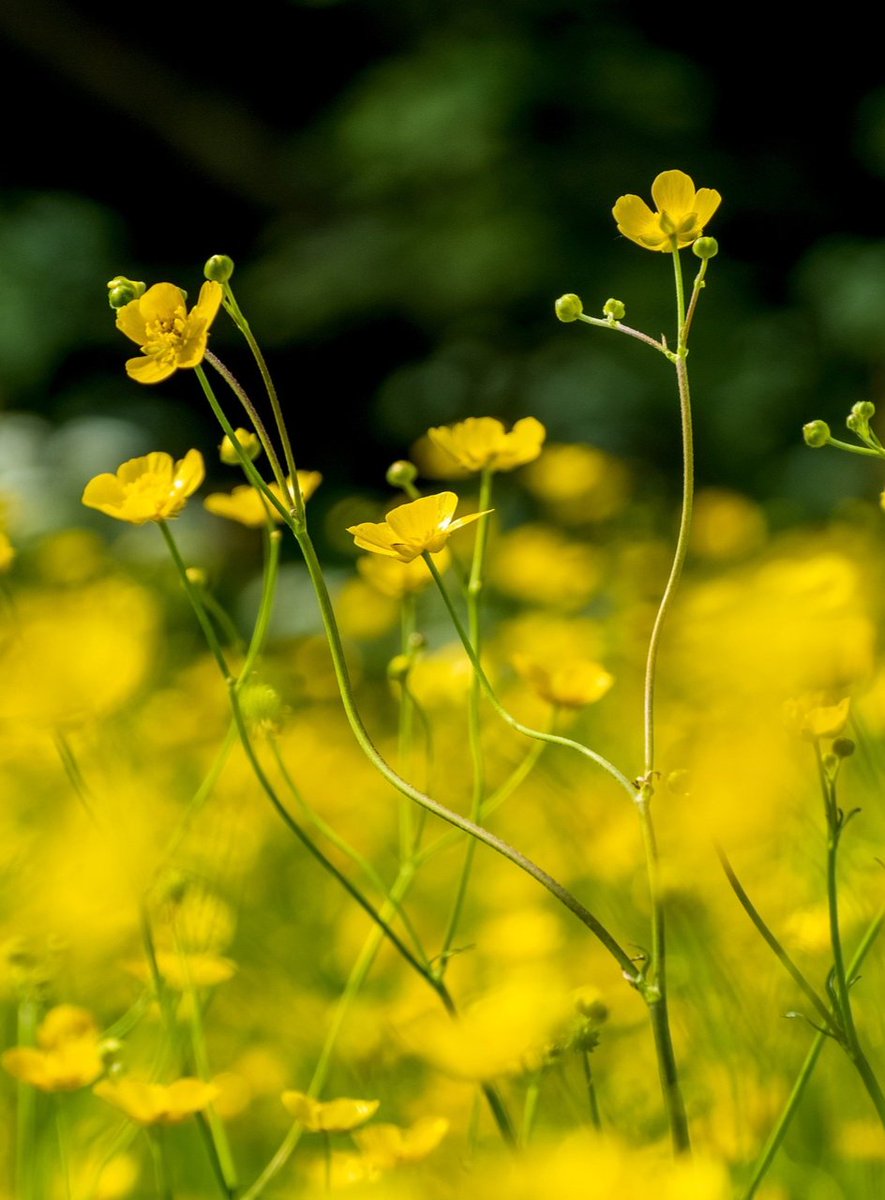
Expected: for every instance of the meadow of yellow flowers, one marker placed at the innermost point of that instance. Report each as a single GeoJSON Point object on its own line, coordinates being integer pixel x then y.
{"type": "Point", "coordinates": [541, 856]}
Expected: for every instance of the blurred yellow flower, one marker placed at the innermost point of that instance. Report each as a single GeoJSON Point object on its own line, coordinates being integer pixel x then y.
{"type": "Point", "coordinates": [169, 336]}
{"type": "Point", "coordinates": [329, 1116]}
{"type": "Point", "coordinates": [572, 685]}
{"type": "Point", "coordinates": [681, 213]}
{"type": "Point", "coordinates": [395, 578]}
{"type": "Point", "coordinates": [388, 1145]}
{"type": "Point", "coordinates": [481, 444]}
{"type": "Point", "coordinates": [152, 488]}
{"type": "Point", "coordinates": [413, 528]}
{"type": "Point", "coordinates": [814, 719]}
{"type": "Point", "coordinates": [157, 1103]}
{"type": "Point", "coordinates": [181, 971]}
{"type": "Point", "coordinates": [68, 1056]}
{"type": "Point", "coordinates": [246, 504]}
{"type": "Point", "coordinates": [7, 552]}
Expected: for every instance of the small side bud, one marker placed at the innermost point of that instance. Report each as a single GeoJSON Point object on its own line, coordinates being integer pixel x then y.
{"type": "Point", "coordinates": [402, 473]}
{"type": "Point", "coordinates": [816, 434]}
{"type": "Point", "coordinates": [262, 707]}
{"type": "Point", "coordinates": [615, 310]}
{"type": "Point", "coordinates": [843, 747]}
{"type": "Point", "coordinates": [123, 291]}
{"type": "Point", "coordinates": [568, 307]}
{"type": "Point", "coordinates": [864, 410]}
{"type": "Point", "coordinates": [247, 441]}
{"type": "Point", "coordinates": [398, 668]}
{"type": "Point", "coordinates": [219, 268]}
{"type": "Point", "coordinates": [705, 247]}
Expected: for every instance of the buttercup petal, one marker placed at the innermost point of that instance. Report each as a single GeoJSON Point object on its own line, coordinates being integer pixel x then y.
{"type": "Point", "coordinates": [190, 472]}
{"type": "Point", "coordinates": [673, 192]}
{"type": "Point", "coordinates": [149, 369]}
{"type": "Point", "coordinates": [420, 517]}
{"type": "Point", "coordinates": [162, 302]}
{"type": "Point", "coordinates": [705, 203]}
{"type": "Point", "coordinates": [636, 221]}
{"type": "Point", "coordinates": [130, 321]}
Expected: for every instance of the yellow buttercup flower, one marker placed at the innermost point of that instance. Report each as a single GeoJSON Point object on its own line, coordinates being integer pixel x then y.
{"type": "Point", "coordinates": [156, 1103]}
{"type": "Point", "coordinates": [152, 488]}
{"type": "Point", "coordinates": [573, 685]}
{"type": "Point", "coordinates": [169, 336]}
{"type": "Point", "coordinates": [68, 1056]}
{"type": "Point", "coordinates": [329, 1116]}
{"type": "Point", "coordinates": [481, 443]}
{"type": "Point", "coordinates": [388, 1145]}
{"type": "Point", "coordinates": [246, 504]}
{"type": "Point", "coordinates": [410, 529]}
{"type": "Point", "coordinates": [681, 213]}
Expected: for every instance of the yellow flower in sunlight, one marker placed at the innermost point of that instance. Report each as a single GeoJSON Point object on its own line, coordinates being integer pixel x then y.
{"type": "Point", "coordinates": [681, 213]}
{"type": "Point", "coordinates": [395, 578]}
{"type": "Point", "coordinates": [169, 336]}
{"type": "Point", "coordinates": [157, 1103]}
{"type": "Point", "coordinates": [572, 685]}
{"type": "Point", "coordinates": [68, 1056]}
{"type": "Point", "coordinates": [388, 1145]}
{"type": "Point", "coordinates": [814, 719]}
{"type": "Point", "coordinates": [481, 444]}
{"type": "Point", "coordinates": [246, 504]}
{"type": "Point", "coordinates": [152, 488]}
{"type": "Point", "coordinates": [412, 528]}
{"type": "Point", "coordinates": [182, 971]}
{"type": "Point", "coordinates": [329, 1116]}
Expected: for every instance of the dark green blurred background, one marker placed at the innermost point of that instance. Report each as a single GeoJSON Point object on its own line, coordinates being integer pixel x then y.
{"type": "Point", "coordinates": [406, 188]}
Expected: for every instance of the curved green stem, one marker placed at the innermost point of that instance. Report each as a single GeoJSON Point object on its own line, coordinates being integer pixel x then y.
{"type": "Point", "coordinates": [554, 739]}
{"type": "Point", "coordinates": [777, 1135]}
{"type": "Point", "coordinates": [851, 1041]}
{"type": "Point", "coordinates": [251, 412]}
{"type": "Point", "coordinates": [235, 312]}
{"type": "Point", "coordinates": [771, 941]}
{"type": "Point", "coordinates": [600, 323]}
{"type": "Point", "coordinates": [361, 734]}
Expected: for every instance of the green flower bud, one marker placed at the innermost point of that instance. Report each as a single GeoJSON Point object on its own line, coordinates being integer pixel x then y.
{"type": "Point", "coordinates": [123, 291]}
{"type": "Point", "coordinates": [615, 309]}
{"type": "Point", "coordinates": [398, 668]}
{"type": "Point", "coordinates": [219, 268]}
{"type": "Point", "coordinates": [262, 706]}
{"type": "Point", "coordinates": [843, 747]}
{"type": "Point", "coordinates": [864, 410]}
{"type": "Point", "coordinates": [401, 473]}
{"type": "Point", "coordinates": [705, 247]}
{"type": "Point", "coordinates": [248, 442]}
{"type": "Point", "coordinates": [568, 307]}
{"type": "Point", "coordinates": [816, 434]}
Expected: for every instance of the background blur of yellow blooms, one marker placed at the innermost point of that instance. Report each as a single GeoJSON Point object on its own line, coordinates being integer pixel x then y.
{"type": "Point", "coordinates": [398, 260]}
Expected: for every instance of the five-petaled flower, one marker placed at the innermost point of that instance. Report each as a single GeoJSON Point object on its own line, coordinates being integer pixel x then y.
{"type": "Point", "coordinates": [329, 1116]}
{"type": "Point", "coordinates": [68, 1054]}
{"type": "Point", "coordinates": [411, 529]}
{"type": "Point", "coordinates": [246, 504]}
{"type": "Point", "coordinates": [152, 488]}
{"type": "Point", "coordinates": [681, 213]}
{"type": "Point", "coordinates": [157, 1103]}
{"type": "Point", "coordinates": [481, 443]}
{"type": "Point", "coordinates": [169, 336]}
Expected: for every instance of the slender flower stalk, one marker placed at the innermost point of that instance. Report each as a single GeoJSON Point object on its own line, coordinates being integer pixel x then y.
{"type": "Point", "coordinates": [474, 626]}
{"type": "Point", "coordinates": [364, 740]}
{"type": "Point", "coordinates": [779, 1132]}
